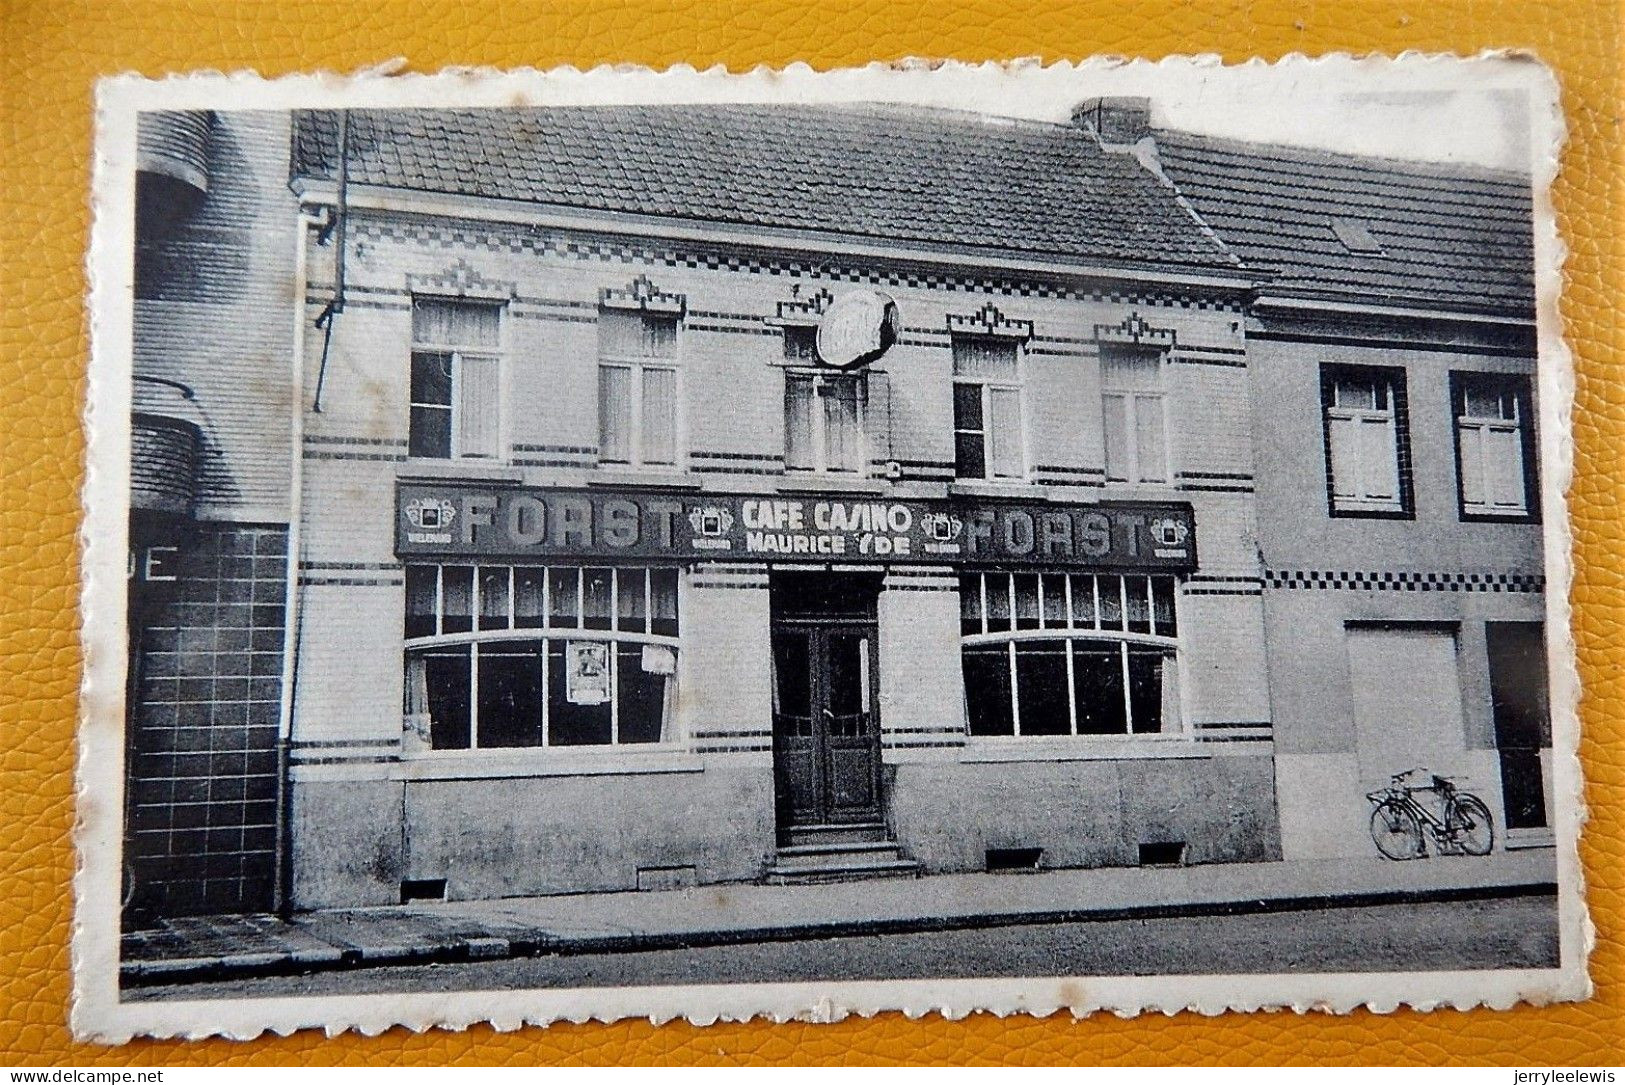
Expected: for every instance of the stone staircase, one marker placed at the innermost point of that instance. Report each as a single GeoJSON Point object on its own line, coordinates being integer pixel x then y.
{"type": "Point", "coordinates": [812, 854]}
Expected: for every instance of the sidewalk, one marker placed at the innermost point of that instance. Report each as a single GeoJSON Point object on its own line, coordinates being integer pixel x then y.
{"type": "Point", "coordinates": [223, 947]}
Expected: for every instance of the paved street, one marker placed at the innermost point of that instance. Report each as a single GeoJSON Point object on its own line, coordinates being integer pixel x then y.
{"type": "Point", "coordinates": [1519, 932]}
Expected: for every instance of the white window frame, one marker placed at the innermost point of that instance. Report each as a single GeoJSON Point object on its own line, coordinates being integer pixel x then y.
{"type": "Point", "coordinates": [819, 425]}
{"type": "Point", "coordinates": [458, 355]}
{"type": "Point", "coordinates": [1016, 384]}
{"type": "Point", "coordinates": [636, 364]}
{"type": "Point", "coordinates": [546, 634]}
{"type": "Point", "coordinates": [1136, 400]}
{"type": "Point", "coordinates": [1485, 426]}
{"type": "Point", "coordinates": [1387, 417]}
{"type": "Point", "coordinates": [1073, 631]}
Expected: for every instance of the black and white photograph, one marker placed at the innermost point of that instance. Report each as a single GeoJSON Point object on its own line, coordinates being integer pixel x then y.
{"type": "Point", "coordinates": [927, 538]}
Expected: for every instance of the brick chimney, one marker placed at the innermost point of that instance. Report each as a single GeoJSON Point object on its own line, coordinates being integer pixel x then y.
{"type": "Point", "coordinates": [1115, 121]}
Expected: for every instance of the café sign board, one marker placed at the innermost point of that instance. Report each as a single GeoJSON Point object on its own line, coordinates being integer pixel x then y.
{"type": "Point", "coordinates": [457, 520]}
{"type": "Point", "coordinates": [858, 327]}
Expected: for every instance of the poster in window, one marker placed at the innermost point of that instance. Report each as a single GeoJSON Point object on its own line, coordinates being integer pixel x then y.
{"type": "Point", "coordinates": [587, 681]}
{"type": "Point", "coordinates": [659, 659]}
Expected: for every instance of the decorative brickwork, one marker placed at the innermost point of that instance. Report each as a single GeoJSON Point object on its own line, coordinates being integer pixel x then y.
{"type": "Point", "coordinates": [1345, 580]}
{"type": "Point", "coordinates": [206, 693]}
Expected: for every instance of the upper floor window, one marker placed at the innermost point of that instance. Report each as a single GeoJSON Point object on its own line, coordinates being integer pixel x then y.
{"type": "Point", "coordinates": [1494, 443]}
{"type": "Point", "coordinates": [456, 402]}
{"type": "Point", "coordinates": [637, 388]}
{"type": "Point", "coordinates": [823, 413]}
{"type": "Point", "coordinates": [1135, 415]}
{"type": "Point", "coordinates": [1367, 439]}
{"type": "Point", "coordinates": [987, 408]}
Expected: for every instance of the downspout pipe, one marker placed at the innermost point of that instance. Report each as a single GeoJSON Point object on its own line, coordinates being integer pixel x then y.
{"type": "Point", "coordinates": [293, 610]}
{"type": "Point", "coordinates": [340, 223]}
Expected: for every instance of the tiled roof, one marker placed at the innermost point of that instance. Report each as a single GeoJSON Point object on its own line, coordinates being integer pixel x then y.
{"type": "Point", "coordinates": [927, 177]}
{"type": "Point", "coordinates": [1450, 237]}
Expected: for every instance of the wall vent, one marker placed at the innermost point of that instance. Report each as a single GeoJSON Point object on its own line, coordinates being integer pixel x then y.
{"type": "Point", "coordinates": [423, 889]}
{"type": "Point", "coordinates": [1010, 860]}
{"type": "Point", "coordinates": [1170, 853]}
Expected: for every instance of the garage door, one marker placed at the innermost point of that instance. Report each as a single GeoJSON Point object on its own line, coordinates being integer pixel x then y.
{"type": "Point", "coordinates": [1407, 701]}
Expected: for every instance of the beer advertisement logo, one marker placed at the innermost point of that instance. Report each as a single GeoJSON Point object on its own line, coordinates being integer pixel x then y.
{"type": "Point", "coordinates": [431, 518]}
{"type": "Point", "coordinates": [712, 524]}
{"type": "Point", "coordinates": [1169, 535]}
{"type": "Point", "coordinates": [942, 526]}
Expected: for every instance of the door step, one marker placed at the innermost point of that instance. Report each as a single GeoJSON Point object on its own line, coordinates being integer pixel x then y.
{"type": "Point", "coordinates": [838, 861]}
{"type": "Point", "coordinates": [863, 832]}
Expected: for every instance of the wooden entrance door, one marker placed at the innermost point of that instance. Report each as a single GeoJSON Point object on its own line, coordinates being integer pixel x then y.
{"type": "Point", "coordinates": [826, 735]}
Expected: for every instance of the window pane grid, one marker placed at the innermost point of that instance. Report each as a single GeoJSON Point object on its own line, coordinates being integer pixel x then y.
{"type": "Point", "coordinates": [638, 419]}
{"type": "Point", "coordinates": [454, 402]}
{"type": "Point", "coordinates": [483, 691]}
{"type": "Point", "coordinates": [1490, 442]}
{"type": "Point", "coordinates": [1091, 633]}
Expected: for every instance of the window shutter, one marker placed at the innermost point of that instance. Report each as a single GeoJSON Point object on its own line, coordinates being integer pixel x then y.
{"type": "Point", "coordinates": [1503, 468]}
{"type": "Point", "coordinates": [1379, 460]}
{"type": "Point", "coordinates": [1343, 436]}
{"type": "Point", "coordinates": [479, 408]}
{"type": "Point", "coordinates": [1471, 438]}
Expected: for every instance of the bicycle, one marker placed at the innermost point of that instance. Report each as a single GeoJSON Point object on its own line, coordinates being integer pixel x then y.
{"type": "Point", "coordinates": [1465, 827]}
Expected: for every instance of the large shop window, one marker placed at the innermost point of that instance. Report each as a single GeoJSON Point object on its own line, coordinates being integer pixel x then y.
{"type": "Point", "coordinates": [503, 656]}
{"type": "Point", "coordinates": [987, 408]}
{"type": "Point", "coordinates": [1136, 419]}
{"type": "Point", "coordinates": [456, 405]}
{"type": "Point", "coordinates": [1494, 444]}
{"type": "Point", "coordinates": [637, 388]}
{"type": "Point", "coordinates": [1367, 440]}
{"type": "Point", "coordinates": [1069, 654]}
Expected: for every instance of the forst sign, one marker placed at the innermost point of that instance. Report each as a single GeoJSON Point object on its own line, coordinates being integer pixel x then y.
{"type": "Point", "coordinates": [456, 520]}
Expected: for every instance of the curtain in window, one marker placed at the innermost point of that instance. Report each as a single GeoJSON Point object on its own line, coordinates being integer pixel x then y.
{"type": "Point", "coordinates": [1117, 455]}
{"type": "Point", "coordinates": [462, 324]}
{"type": "Point", "coordinates": [636, 335]}
{"type": "Point", "coordinates": [615, 413]}
{"type": "Point", "coordinates": [1132, 371]}
{"type": "Point", "coordinates": [659, 415]}
{"type": "Point", "coordinates": [1150, 463]}
{"type": "Point", "coordinates": [843, 424]}
{"type": "Point", "coordinates": [1004, 433]}
{"type": "Point", "coordinates": [988, 358]}
{"type": "Point", "coordinates": [798, 434]}
{"type": "Point", "coordinates": [479, 409]}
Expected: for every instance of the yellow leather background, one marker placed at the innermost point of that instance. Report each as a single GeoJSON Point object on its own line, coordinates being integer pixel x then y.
{"type": "Point", "coordinates": [51, 51]}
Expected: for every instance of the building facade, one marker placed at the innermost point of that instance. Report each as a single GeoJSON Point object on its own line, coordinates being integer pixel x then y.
{"type": "Point", "coordinates": [833, 535]}
{"type": "Point", "coordinates": [1392, 358]}
{"type": "Point", "coordinates": [681, 495]}
{"type": "Point", "coordinates": [213, 335]}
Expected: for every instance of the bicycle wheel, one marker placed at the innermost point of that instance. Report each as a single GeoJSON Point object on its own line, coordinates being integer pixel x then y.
{"type": "Point", "coordinates": [1469, 824]}
{"type": "Point", "coordinates": [1396, 830]}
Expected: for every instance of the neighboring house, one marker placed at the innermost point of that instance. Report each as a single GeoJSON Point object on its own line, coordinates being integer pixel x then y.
{"type": "Point", "coordinates": [606, 581]}
{"type": "Point", "coordinates": [213, 342]}
{"type": "Point", "coordinates": [1392, 353]}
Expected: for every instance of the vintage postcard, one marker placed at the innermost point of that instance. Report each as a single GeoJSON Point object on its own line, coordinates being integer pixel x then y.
{"type": "Point", "coordinates": [938, 538]}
